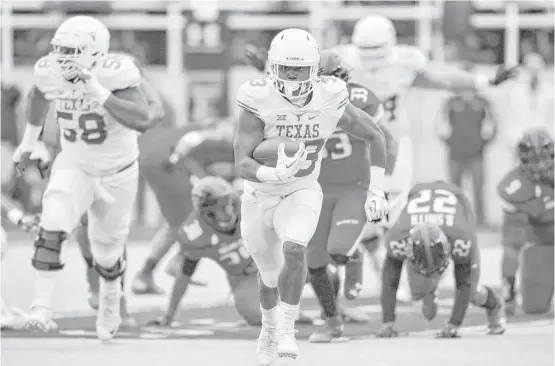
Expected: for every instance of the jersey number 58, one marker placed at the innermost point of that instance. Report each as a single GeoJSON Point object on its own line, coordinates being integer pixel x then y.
{"type": "Point", "coordinates": [91, 126]}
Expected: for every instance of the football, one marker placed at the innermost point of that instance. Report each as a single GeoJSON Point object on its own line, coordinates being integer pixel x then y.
{"type": "Point", "coordinates": [266, 152]}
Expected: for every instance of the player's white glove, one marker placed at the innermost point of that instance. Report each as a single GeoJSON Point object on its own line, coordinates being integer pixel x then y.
{"type": "Point", "coordinates": [376, 206]}
{"type": "Point", "coordinates": [91, 83]}
{"type": "Point", "coordinates": [286, 167]}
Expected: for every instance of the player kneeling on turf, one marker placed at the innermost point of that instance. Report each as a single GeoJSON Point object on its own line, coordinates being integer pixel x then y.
{"type": "Point", "coordinates": [435, 225]}
{"type": "Point", "coordinates": [213, 231]}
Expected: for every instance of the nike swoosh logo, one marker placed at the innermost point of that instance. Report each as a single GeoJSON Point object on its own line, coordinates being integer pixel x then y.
{"type": "Point", "coordinates": [289, 166]}
{"type": "Point", "coordinates": [310, 118]}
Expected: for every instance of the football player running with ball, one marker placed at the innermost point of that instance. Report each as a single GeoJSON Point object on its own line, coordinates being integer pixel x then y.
{"type": "Point", "coordinates": [213, 231]}
{"type": "Point", "coordinates": [100, 111]}
{"type": "Point", "coordinates": [527, 194]}
{"type": "Point", "coordinates": [281, 205]}
{"type": "Point", "coordinates": [436, 225]}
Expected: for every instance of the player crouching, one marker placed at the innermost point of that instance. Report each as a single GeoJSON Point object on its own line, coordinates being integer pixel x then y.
{"type": "Point", "coordinates": [527, 196]}
{"type": "Point", "coordinates": [428, 248]}
{"type": "Point", "coordinates": [213, 231]}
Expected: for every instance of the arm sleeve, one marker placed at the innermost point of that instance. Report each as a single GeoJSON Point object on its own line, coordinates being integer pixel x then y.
{"type": "Point", "coordinates": [463, 293]}
{"type": "Point", "coordinates": [391, 274]}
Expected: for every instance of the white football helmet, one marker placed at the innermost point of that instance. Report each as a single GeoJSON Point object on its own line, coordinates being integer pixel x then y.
{"type": "Point", "coordinates": [82, 39]}
{"type": "Point", "coordinates": [375, 37]}
{"type": "Point", "coordinates": [293, 60]}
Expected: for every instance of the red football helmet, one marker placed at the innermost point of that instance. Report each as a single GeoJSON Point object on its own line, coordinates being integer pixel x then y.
{"type": "Point", "coordinates": [430, 249]}
{"type": "Point", "coordinates": [535, 150]}
{"type": "Point", "coordinates": [216, 202]}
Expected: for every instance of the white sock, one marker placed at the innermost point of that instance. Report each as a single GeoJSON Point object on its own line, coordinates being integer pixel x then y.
{"type": "Point", "coordinates": [45, 285]}
{"type": "Point", "coordinates": [270, 316]}
{"type": "Point", "coordinates": [289, 314]}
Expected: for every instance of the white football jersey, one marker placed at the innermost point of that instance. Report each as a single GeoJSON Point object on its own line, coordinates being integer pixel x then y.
{"type": "Point", "coordinates": [390, 80]}
{"type": "Point", "coordinates": [311, 124]}
{"type": "Point", "coordinates": [94, 140]}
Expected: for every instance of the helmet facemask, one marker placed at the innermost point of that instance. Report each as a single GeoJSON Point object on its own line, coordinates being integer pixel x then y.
{"type": "Point", "coordinates": [429, 256]}
{"type": "Point", "coordinates": [294, 82]}
{"type": "Point", "coordinates": [67, 56]}
{"type": "Point", "coordinates": [220, 212]}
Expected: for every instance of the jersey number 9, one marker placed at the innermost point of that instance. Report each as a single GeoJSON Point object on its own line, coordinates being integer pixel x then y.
{"type": "Point", "coordinates": [91, 125]}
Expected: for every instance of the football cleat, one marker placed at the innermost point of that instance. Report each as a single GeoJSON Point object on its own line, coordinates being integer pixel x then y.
{"type": "Point", "coordinates": [108, 318]}
{"type": "Point", "coordinates": [353, 315]}
{"type": "Point", "coordinates": [333, 328]}
{"type": "Point", "coordinates": [266, 347]}
{"type": "Point", "coordinates": [287, 344]}
{"type": "Point", "coordinates": [41, 319]}
{"type": "Point", "coordinates": [496, 317]}
{"type": "Point", "coordinates": [387, 331]}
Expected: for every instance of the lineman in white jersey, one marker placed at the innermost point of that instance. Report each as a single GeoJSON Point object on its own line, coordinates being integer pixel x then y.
{"type": "Point", "coordinates": [99, 111]}
{"type": "Point", "coordinates": [281, 205]}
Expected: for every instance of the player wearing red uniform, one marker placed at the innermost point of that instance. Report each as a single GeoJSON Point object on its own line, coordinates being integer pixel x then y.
{"type": "Point", "coordinates": [213, 231]}
{"type": "Point", "coordinates": [436, 224]}
{"type": "Point", "coordinates": [171, 183]}
{"type": "Point", "coordinates": [527, 194]}
{"type": "Point", "coordinates": [344, 178]}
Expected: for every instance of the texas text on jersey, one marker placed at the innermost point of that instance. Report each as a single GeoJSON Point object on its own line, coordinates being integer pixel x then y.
{"type": "Point", "coordinates": [86, 128]}
{"type": "Point", "coordinates": [312, 124]}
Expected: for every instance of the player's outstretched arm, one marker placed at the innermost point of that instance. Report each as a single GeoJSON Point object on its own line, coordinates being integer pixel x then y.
{"type": "Point", "coordinates": [249, 134]}
{"type": "Point", "coordinates": [460, 80]}
{"type": "Point", "coordinates": [37, 110]}
{"type": "Point", "coordinates": [180, 286]}
{"type": "Point", "coordinates": [191, 140]}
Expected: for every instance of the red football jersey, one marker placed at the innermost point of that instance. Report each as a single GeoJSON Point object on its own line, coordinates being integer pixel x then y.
{"type": "Point", "coordinates": [346, 158]}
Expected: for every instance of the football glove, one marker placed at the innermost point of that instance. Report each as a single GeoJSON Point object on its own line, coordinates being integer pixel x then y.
{"type": "Point", "coordinates": [387, 331]}
{"type": "Point", "coordinates": [450, 331]}
{"type": "Point", "coordinates": [286, 166]}
{"type": "Point", "coordinates": [376, 207]}
{"type": "Point", "coordinates": [503, 74]}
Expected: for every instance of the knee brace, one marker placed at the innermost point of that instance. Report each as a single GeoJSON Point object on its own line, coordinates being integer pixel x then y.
{"type": "Point", "coordinates": [113, 273]}
{"type": "Point", "coordinates": [48, 247]}
{"type": "Point", "coordinates": [339, 259]}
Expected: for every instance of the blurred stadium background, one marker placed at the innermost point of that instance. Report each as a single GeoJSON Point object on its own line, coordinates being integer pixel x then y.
{"type": "Point", "coordinates": [193, 53]}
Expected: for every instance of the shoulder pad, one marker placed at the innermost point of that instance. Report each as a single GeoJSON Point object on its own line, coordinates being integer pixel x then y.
{"type": "Point", "coordinates": [192, 229]}
{"type": "Point", "coordinates": [117, 72]}
{"type": "Point", "coordinates": [412, 57]}
{"type": "Point", "coordinates": [47, 79]}
{"type": "Point", "coordinates": [256, 88]}
{"type": "Point", "coordinates": [515, 187]}
{"type": "Point", "coordinates": [251, 93]}
{"type": "Point", "coordinates": [364, 99]}
{"type": "Point", "coordinates": [336, 95]}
